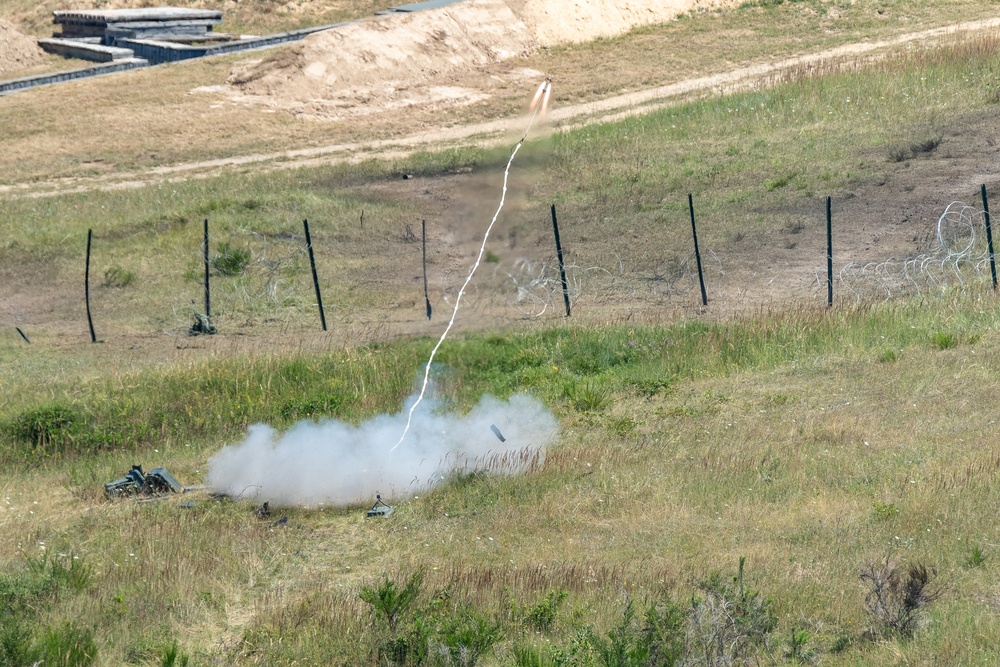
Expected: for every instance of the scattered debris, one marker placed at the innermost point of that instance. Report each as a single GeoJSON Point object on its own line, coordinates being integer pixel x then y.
{"type": "Point", "coordinates": [283, 521]}
{"type": "Point", "coordinates": [264, 511]}
{"type": "Point", "coordinates": [156, 482]}
{"type": "Point", "coordinates": [21, 333]}
{"type": "Point", "coordinates": [379, 509]}
{"type": "Point", "coordinates": [497, 433]}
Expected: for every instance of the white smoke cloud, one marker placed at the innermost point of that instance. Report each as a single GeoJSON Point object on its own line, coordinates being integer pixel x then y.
{"type": "Point", "coordinates": [334, 463]}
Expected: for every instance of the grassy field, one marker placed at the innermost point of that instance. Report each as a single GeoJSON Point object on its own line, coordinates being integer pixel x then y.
{"type": "Point", "coordinates": [813, 444]}
{"type": "Point", "coordinates": [726, 489]}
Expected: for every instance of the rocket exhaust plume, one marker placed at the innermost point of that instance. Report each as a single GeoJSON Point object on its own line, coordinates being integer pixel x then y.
{"type": "Point", "coordinates": [543, 90]}
{"type": "Point", "coordinates": [335, 463]}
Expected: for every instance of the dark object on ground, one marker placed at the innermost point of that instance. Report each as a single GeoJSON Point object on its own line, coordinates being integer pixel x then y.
{"type": "Point", "coordinates": [21, 333]}
{"type": "Point", "coordinates": [263, 512]}
{"type": "Point", "coordinates": [283, 521]}
{"type": "Point", "coordinates": [379, 509]}
{"type": "Point", "coordinates": [132, 483]}
{"type": "Point", "coordinates": [157, 481]}
{"type": "Point", "coordinates": [202, 325]}
{"type": "Point", "coordinates": [497, 433]}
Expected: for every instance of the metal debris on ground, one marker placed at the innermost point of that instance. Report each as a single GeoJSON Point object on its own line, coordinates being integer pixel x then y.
{"type": "Point", "coordinates": [379, 509]}
{"type": "Point", "coordinates": [264, 511]}
{"type": "Point", "coordinates": [156, 482]}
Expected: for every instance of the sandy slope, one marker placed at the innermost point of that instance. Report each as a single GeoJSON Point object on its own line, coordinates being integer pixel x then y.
{"type": "Point", "coordinates": [17, 51]}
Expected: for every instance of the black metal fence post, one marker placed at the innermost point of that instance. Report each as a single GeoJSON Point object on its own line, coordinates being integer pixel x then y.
{"type": "Point", "coordinates": [989, 236]}
{"type": "Point", "coordinates": [208, 300]}
{"type": "Point", "coordinates": [562, 265]}
{"type": "Point", "coordinates": [423, 243]}
{"type": "Point", "coordinates": [829, 255]}
{"type": "Point", "coordinates": [86, 288]}
{"type": "Point", "coordinates": [312, 263]}
{"type": "Point", "coordinates": [697, 253]}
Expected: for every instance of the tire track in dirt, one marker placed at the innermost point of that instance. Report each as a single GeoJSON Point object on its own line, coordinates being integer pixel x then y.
{"type": "Point", "coordinates": [493, 133]}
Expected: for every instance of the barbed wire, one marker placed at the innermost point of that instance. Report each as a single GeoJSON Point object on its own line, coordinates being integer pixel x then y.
{"type": "Point", "coordinates": [957, 253]}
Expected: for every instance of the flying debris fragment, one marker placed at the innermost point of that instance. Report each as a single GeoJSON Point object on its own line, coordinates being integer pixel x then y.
{"type": "Point", "coordinates": [379, 509]}
{"type": "Point", "coordinates": [497, 433]}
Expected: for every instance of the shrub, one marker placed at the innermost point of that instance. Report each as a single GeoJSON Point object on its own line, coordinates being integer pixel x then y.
{"type": "Point", "coordinates": [730, 624]}
{"type": "Point", "coordinates": [465, 637]}
{"type": "Point", "coordinates": [542, 616]}
{"type": "Point", "coordinates": [388, 601]}
{"type": "Point", "coordinates": [897, 601]}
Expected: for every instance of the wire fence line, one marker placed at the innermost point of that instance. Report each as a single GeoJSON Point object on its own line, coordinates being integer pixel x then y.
{"type": "Point", "coordinates": [264, 278]}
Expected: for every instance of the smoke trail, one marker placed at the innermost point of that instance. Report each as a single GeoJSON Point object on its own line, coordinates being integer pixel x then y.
{"type": "Point", "coordinates": [544, 89]}
{"type": "Point", "coordinates": [334, 463]}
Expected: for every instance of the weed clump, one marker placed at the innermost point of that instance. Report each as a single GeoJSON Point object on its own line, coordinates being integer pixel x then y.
{"type": "Point", "coordinates": [117, 276]}
{"type": "Point", "coordinates": [898, 598]}
{"type": "Point", "coordinates": [231, 260]}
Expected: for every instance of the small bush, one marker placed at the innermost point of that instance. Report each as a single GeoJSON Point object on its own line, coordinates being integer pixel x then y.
{"type": "Point", "coordinates": [491, 257]}
{"type": "Point", "coordinates": [797, 649]}
{"type": "Point", "coordinates": [389, 602]}
{"type": "Point", "coordinates": [897, 601]}
{"type": "Point", "coordinates": [116, 276]}
{"type": "Point", "coordinates": [542, 616]}
{"type": "Point", "coordinates": [231, 260]}
{"type": "Point", "coordinates": [730, 624]}
{"type": "Point", "coordinates": [465, 637]}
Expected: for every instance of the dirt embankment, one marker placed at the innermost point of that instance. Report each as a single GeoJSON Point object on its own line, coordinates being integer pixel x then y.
{"type": "Point", "coordinates": [17, 50]}
{"type": "Point", "coordinates": [432, 56]}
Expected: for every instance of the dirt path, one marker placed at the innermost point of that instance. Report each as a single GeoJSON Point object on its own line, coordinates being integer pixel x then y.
{"type": "Point", "coordinates": [494, 133]}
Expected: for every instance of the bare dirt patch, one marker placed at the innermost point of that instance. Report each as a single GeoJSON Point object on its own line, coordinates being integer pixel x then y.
{"type": "Point", "coordinates": [17, 50]}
